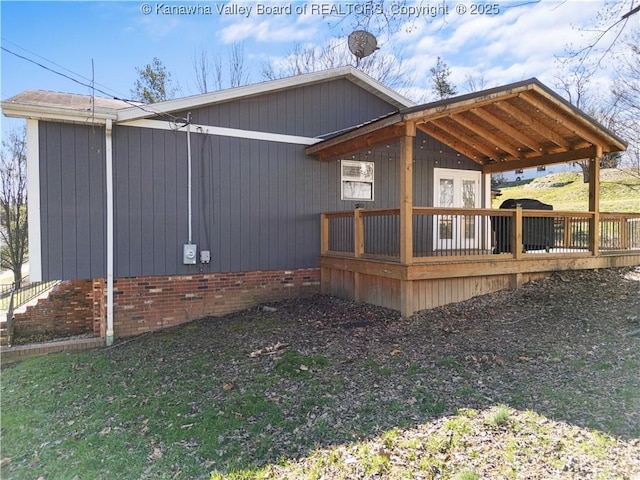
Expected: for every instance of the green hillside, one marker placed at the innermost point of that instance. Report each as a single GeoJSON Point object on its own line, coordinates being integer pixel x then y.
{"type": "Point", "coordinates": [619, 191]}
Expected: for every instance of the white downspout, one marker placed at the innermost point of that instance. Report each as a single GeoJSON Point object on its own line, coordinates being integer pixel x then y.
{"type": "Point", "coordinates": [109, 181]}
{"type": "Point", "coordinates": [189, 170]}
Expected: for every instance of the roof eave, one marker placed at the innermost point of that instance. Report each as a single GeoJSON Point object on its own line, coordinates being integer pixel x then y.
{"type": "Point", "coordinates": [40, 112]}
{"type": "Point", "coordinates": [616, 143]}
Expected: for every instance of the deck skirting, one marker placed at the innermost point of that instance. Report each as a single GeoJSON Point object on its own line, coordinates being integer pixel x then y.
{"type": "Point", "coordinates": [410, 288]}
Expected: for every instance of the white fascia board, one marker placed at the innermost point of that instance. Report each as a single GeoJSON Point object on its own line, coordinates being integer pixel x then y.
{"type": "Point", "coordinates": [33, 201]}
{"type": "Point", "coordinates": [372, 85]}
{"type": "Point", "coordinates": [359, 78]}
{"type": "Point", "coordinates": [39, 112]}
{"type": "Point", "coordinates": [225, 132]}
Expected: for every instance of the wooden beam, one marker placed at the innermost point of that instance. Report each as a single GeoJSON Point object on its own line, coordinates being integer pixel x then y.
{"type": "Point", "coordinates": [563, 157]}
{"type": "Point", "coordinates": [480, 268]}
{"type": "Point", "coordinates": [534, 124]}
{"type": "Point", "coordinates": [440, 109]}
{"type": "Point", "coordinates": [451, 141]}
{"type": "Point", "coordinates": [360, 143]}
{"type": "Point", "coordinates": [563, 119]}
{"type": "Point", "coordinates": [507, 129]}
{"type": "Point", "coordinates": [499, 141]}
{"type": "Point", "coordinates": [474, 143]}
{"type": "Point", "coordinates": [406, 196]}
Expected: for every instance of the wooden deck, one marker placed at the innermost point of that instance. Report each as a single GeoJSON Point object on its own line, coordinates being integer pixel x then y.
{"type": "Point", "coordinates": [360, 258]}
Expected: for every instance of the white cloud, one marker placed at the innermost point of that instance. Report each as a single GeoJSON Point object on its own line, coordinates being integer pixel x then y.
{"type": "Point", "coordinates": [519, 43]}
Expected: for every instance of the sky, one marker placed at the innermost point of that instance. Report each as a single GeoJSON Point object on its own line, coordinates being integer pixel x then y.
{"type": "Point", "coordinates": [501, 42]}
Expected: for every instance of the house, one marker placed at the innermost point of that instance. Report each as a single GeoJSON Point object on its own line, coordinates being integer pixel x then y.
{"type": "Point", "coordinates": [521, 174]}
{"type": "Point", "coordinates": [326, 182]}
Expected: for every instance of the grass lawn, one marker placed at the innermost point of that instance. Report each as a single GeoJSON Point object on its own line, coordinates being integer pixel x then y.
{"type": "Point", "coordinates": [619, 191]}
{"type": "Point", "coordinates": [539, 383]}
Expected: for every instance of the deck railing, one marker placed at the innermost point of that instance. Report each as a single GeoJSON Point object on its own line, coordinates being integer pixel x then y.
{"type": "Point", "coordinates": [470, 233]}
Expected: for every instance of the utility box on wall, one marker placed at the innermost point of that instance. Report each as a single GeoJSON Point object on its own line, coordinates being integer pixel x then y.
{"type": "Point", "coordinates": [189, 251]}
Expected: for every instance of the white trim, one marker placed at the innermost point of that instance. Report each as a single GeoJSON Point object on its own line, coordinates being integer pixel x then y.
{"type": "Point", "coordinates": [38, 112]}
{"type": "Point", "coordinates": [226, 132]}
{"type": "Point", "coordinates": [110, 242]}
{"type": "Point", "coordinates": [195, 101]}
{"type": "Point", "coordinates": [458, 175]}
{"type": "Point", "coordinates": [366, 175]}
{"type": "Point", "coordinates": [33, 201]}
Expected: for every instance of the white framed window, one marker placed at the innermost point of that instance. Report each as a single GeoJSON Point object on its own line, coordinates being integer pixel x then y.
{"type": "Point", "coordinates": [356, 180]}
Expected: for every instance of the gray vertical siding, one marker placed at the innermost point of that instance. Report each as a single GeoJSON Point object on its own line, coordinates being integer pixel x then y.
{"type": "Point", "coordinates": [255, 204]}
{"type": "Point", "coordinates": [72, 193]}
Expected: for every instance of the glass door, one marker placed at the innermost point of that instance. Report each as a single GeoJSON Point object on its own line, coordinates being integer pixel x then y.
{"type": "Point", "coordinates": [456, 189]}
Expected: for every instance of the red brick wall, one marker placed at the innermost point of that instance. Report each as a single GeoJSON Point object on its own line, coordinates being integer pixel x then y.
{"type": "Point", "coordinates": [143, 304]}
{"type": "Point", "coordinates": [99, 308]}
{"type": "Point", "coordinates": [67, 311]}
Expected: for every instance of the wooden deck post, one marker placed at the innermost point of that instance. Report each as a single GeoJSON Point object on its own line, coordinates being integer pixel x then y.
{"type": "Point", "coordinates": [324, 233]}
{"type": "Point", "coordinates": [358, 233]}
{"type": "Point", "coordinates": [407, 306]}
{"type": "Point", "coordinates": [406, 194]}
{"type": "Point", "coordinates": [358, 250]}
{"type": "Point", "coordinates": [594, 201]}
{"type": "Point", "coordinates": [516, 239]}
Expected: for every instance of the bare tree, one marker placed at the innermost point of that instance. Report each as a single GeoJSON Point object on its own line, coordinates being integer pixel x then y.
{"type": "Point", "coordinates": [475, 83]}
{"type": "Point", "coordinates": [238, 74]}
{"type": "Point", "coordinates": [574, 82]}
{"type": "Point", "coordinates": [210, 72]}
{"type": "Point", "coordinates": [388, 69]}
{"type": "Point", "coordinates": [626, 94]}
{"type": "Point", "coordinates": [202, 70]}
{"type": "Point", "coordinates": [613, 22]}
{"type": "Point", "coordinates": [13, 203]}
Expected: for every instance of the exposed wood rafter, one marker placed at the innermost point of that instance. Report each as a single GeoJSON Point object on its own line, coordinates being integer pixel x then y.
{"type": "Point", "coordinates": [505, 128]}
{"type": "Point", "coordinates": [448, 139]}
{"type": "Point", "coordinates": [521, 125]}
{"type": "Point", "coordinates": [485, 150]}
{"type": "Point", "coordinates": [562, 119]}
{"type": "Point", "coordinates": [534, 124]}
{"type": "Point", "coordinates": [498, 141]}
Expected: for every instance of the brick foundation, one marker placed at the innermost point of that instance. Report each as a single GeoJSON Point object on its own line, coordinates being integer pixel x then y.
{"type": "Point", "coordinates": [67, 311]}
{"type": "Point", "coordinates": [143, 304]}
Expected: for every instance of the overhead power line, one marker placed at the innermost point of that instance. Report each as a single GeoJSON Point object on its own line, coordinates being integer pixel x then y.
{"type": "Point", "coordinates": [145, 108]}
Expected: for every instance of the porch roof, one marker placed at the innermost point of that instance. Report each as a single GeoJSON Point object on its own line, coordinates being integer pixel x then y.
{"type": "Point", "coordinates": [519, 125]}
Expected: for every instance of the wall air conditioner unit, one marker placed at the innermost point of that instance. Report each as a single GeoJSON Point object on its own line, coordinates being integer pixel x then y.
{"type": "Point", "coordinates": [356, 180]}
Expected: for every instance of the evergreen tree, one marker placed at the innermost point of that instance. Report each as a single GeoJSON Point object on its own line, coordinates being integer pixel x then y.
{"type": "Point", "coordinates": [153, 84]}
{"type": "Point", "coordinates": [440, 83]}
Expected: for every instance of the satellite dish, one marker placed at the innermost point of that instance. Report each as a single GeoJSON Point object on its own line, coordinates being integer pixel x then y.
{"type": "Point", "coordinates": [362, 43]}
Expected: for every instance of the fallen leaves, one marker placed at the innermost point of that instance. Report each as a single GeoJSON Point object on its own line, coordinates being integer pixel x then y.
{"type": "Point", "coordinates": [156, 454]}
{"type": "Point", "coordinates": [253, 390]}
{"type": "Point", "coordinates": [270, 350]}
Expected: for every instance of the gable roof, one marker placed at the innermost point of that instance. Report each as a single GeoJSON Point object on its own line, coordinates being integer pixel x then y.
{"type": "Point", "coordinates": [85, 108]}
{"type": "Point", "coordinates": [514, 126]}
{"type": "Point", "coordinates": [62, 106]}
